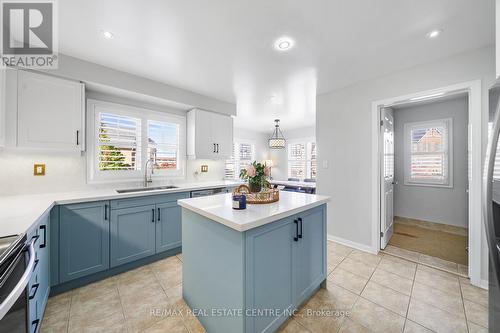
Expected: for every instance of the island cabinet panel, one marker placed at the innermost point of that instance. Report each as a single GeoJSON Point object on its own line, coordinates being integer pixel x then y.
{"type": "Point", "coordinates": [132, 234]}
{"type": "Point", "coordinates": [83, 239]}
{"type": "Point", "coordinates": [269, 267]}
{"type": "Point", "coordinates": [168, 226]}
{"type": "Point", "coordinates": [309, 256]}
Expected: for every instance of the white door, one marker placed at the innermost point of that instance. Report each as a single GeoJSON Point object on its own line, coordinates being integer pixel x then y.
{"type": "Point", "coordinates": [387, 184]}
{"type": "Point", "coordinates": [50, 112]}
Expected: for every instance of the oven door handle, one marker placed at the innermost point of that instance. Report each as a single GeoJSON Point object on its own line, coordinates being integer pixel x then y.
{"type": "Point", "coordinates": [21, 285]}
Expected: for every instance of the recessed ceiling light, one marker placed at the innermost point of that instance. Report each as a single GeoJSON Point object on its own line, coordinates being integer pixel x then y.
{"type": "Point", "coordinates": [108, 35]}
{"type": "Point", "coordinates": [434, 33]}
{"type": "Point", "coordinates": [283, 44]}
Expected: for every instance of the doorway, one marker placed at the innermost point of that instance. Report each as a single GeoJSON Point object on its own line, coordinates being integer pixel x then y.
{"type": "Point", "coordinates": [427, 189]}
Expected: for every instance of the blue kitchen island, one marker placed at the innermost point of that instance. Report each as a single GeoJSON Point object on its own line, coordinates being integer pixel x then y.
{"type": "Point", "coordinates": [249, 270]}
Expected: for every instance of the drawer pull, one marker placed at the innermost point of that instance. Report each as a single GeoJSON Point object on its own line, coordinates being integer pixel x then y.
{"type": "Point", "coordinates": [35, 288]}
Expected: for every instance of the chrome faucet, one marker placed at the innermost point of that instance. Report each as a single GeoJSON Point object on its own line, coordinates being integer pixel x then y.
{"type": "Point", "coordinates": [149, 179]}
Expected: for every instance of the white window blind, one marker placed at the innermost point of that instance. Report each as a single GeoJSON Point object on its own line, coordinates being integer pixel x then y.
{"type": "Point", "coordinates": [163, 144]}
{"type": "Point", "coordinates": [125, 137]}
{"type": "Point", "coordinates": [427, 156]}
{"type": "Point", "coordinates": [302, 160]}
{"type": "Point", "coordinates": [118, 143]}
{"type": "Point", "coordinates": [243, 155]}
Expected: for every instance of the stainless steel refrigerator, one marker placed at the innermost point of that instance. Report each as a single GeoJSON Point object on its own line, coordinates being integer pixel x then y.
{"type": "Point", "coordinates": [491, 201]}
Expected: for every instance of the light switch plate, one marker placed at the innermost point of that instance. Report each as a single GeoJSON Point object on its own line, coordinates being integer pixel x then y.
{"type": "Point", "coordinates": [39, 170]}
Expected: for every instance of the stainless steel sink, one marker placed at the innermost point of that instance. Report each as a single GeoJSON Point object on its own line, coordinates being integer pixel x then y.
{"type": "Point", "coordinates": [142, 189]}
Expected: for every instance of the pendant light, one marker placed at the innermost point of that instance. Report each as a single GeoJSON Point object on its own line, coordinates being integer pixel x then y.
{"type": "Point", "coordinates": [277, 140]}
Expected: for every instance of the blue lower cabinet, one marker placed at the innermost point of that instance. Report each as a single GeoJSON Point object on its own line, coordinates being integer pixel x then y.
{"type": "Point", "coordinates": [83, 239]}
{"type": "Point", "coordinates": [309, 253]}
{"type": "Point", "coordinates": [39, 284]}
{"type": "Point", "coordinates": [132, 234]}
{"type": "Point", "coordinates": [269, 278]}
{"type": "Point", "coordinates": [168, 226]}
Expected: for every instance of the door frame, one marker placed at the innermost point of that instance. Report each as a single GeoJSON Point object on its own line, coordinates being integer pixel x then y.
{"type": "Point", "coordinates": [473, 88]}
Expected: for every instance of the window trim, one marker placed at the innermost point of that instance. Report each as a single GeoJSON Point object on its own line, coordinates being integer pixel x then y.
{"type": "Point", "coordinates": [238, 142]}
{"type": "Point", "coordinates": [307, 141]}
{"type": "Point", "coordinates": [448, 122]}
{"type": "Point", "coordinates": [94, 175]}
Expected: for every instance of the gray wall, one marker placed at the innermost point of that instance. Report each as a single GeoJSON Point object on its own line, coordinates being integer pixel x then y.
{"type": "Point", "coordinates": [344, 137]}
{"type": "Point", "coordinates": [434, 204]}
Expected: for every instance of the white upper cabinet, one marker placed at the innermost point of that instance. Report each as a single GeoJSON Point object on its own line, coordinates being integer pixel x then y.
{"type": "Point", "coordinates": [497, 30]}
{"type": "Point", "coordinates": [50, 112]}
{"type": "Point", "coordinates": [209, 135]}
{"type": "Point", "coordinates": [2, 106]}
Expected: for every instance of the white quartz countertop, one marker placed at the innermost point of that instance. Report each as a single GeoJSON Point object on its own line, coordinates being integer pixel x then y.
{"type": "Point", "coordinates": [219, 208]}
{"type": "Point", "coordinates": [18, 213]}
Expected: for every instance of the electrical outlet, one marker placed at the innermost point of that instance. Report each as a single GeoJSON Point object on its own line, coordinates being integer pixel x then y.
{"type": "Point", "coordinates": [39, 170]}
{"type": "Point", "coordinates": [204, 168]}
{"type": "Point", "coordinates": [325, 164]}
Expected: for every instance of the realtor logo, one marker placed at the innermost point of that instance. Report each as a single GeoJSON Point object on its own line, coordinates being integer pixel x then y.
{"type": "Point", "coordinates": [29, 34]}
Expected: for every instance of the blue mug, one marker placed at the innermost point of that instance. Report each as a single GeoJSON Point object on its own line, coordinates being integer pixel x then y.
{"type": "Point", "coordinates": [239, 201]}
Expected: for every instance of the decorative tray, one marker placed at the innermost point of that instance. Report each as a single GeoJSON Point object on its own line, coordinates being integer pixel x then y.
{"type": "Point", "coordinates": [265, 196]}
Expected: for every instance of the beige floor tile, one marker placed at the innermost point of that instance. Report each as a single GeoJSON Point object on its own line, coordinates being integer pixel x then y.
{"type": "Point", "coordinates": [179, 256]}
{"type": "Point", "coordinates": [175, 293]}
{"type": "Point", "coordinates": [434, 318]}
{"type": "Point", "coordinates": [142, 314]}
{"type": "Point", "coordinates": [338, 249]}
{"type": "Point", "coordinates": [464, 270]}
{"type": "Point", "coordinates": [136, 278]}
{"type": "Point", "coordinates": [476, 313]}
{"type": "Point", "coordinates": [131, 293]}
{"type": "Point", "coordinates": [97, 288]}
{"type": "Point", "coordinates": [412, 327]}
{"type": "Point", "coordinates": [473, 328]}
{"type": "Point", "coordinates": [401, 267]}
{"type": "Point", "coordinates": [168, 272]}
{"type": "Point", "coordinates": [114, 323]}
{"type": "Point", "coordinates": [472, 293]}
{"type": "Point", "coordinates": [406, 254]}
{"type": "Point", "coordinates": [439, 263]}
{"type": "Point", "coordinates": [353, 266]}
{"type": "Point", "coordinates": [193, 324]}
{"type": "Point", "coordinates": [365, 257]}
{"type": "Point", "coordinates": [376, 318]}
{"type": "Point", "coordinates": [387, 298]}
{"type": "Point", "coordinates": [333, 261]}
{"type": "Point", "coordinates": [59, 304]}
{"type": "Point", "coordinates": [437, 279]}
{"type": "Point", "coordinates": [55, 322]}
{"type": "Point", "coordinates": [393, 281]}
{"type": "Point", "coordinates": [292, 326]}
{"type": "Point", "coordinates": [169, 324]}
{"type": "Point", "coordinates": [446, 301]}
{"type": "Point", "coordinates": [333, 298]}
{"type": "Point", "coordinates": [350, 326]}
{"type": "Point", "coordinates": [97, 307]}
{"type": "Point", "coordinates": [348, 280]}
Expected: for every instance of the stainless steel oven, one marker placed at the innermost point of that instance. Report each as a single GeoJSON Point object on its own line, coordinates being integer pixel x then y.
{"type": "Point", "coordinates": [17, 264]}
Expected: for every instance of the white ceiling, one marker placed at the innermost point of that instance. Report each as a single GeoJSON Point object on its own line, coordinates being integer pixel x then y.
{"type": "Point", "coordinates": [224, 48]}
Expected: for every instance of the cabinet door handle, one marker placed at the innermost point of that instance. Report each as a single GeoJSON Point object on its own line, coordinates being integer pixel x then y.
{"type": "Point", "coordinates": [35, 288]}
{"type": "Point", "coordinates": [105, 212]}
{"type": "Point", "coordinates": [35, 323]}
{"type": "Point", "coordinates": [296, 238]}
{"type": "Point", "coordinates": [217, 148]}
{"type": "Point", "coordinates": [159, 215]}
{"type": "Point", "coordinates": [36, 264]}
{"type": "Point", "coordinates": [300, 221]}
{"type": "Point", "coordinates": [77, 137]}
{"type": "Point", "coordinates": [44, 228]}
{"type": "Point", "coordinates": [214, 147]}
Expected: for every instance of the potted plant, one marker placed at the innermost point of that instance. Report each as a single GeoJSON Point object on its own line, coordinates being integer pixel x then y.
{"type": "Point", "coordinates": [256, 174]}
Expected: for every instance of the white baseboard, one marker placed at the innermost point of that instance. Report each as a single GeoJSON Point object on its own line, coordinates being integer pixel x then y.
{"type": "Point", "coordinates": [346, 242]}
{"type": "Point", "coordinates": [483, 284]}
